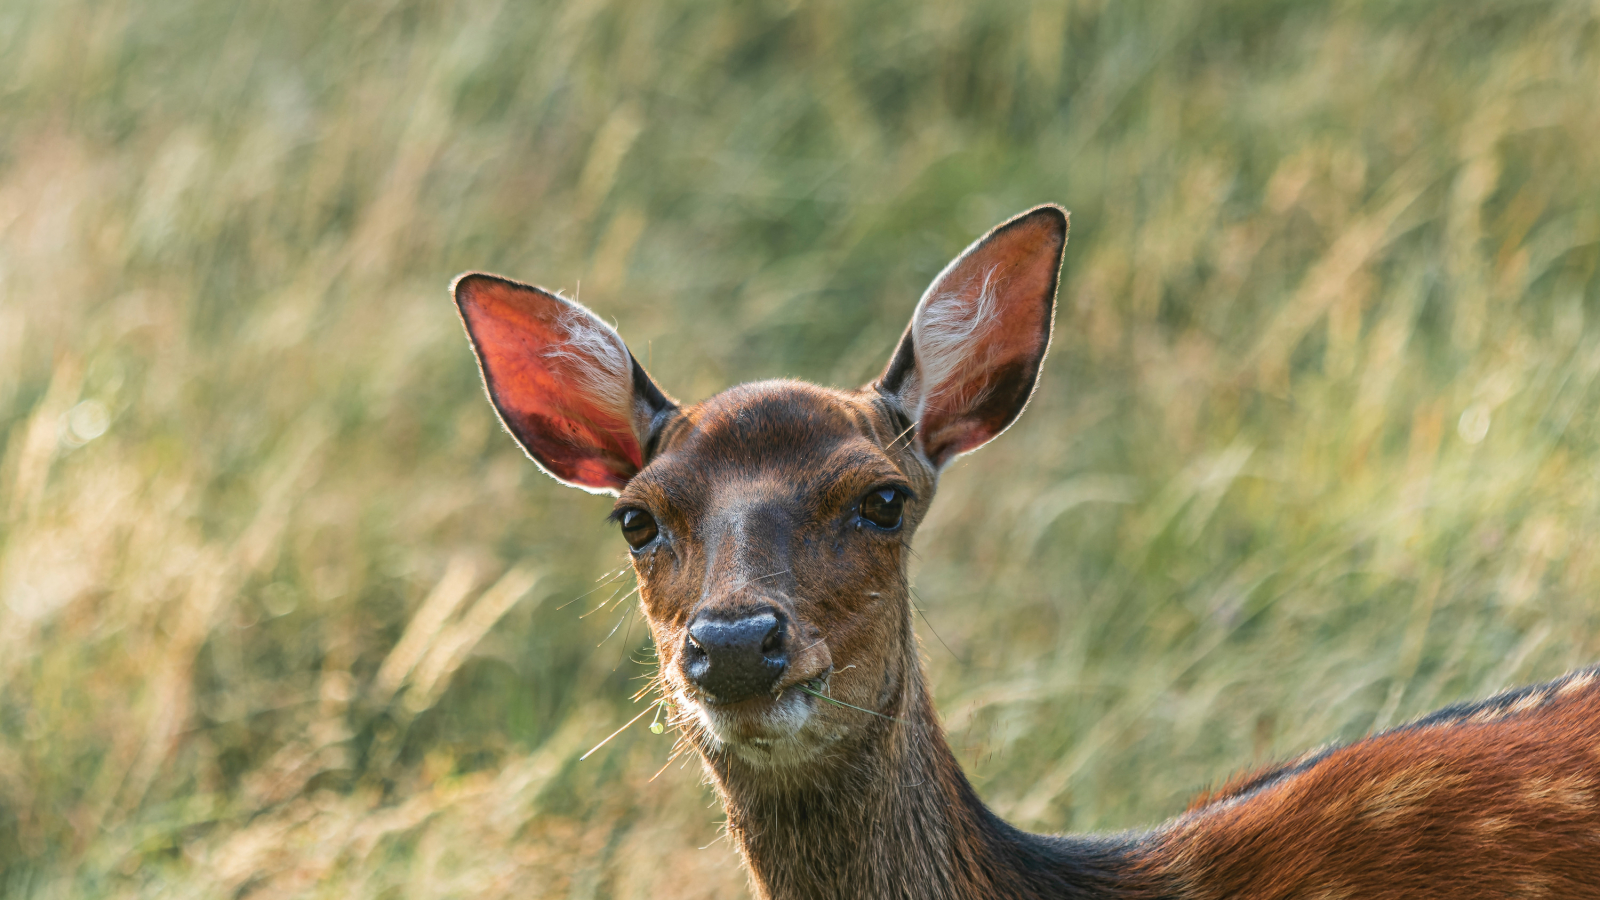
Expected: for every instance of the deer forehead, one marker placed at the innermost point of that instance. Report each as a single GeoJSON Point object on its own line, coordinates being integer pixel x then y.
{"type": "Point", "coordinates": [774, 447]}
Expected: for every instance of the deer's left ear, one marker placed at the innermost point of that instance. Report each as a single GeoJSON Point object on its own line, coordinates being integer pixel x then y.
{"type": "Point", "coordinates": [970, 359]}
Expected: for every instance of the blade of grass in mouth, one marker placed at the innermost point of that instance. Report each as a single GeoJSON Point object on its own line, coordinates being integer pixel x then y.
{"type": "Point", "coordinates": [822, 696]}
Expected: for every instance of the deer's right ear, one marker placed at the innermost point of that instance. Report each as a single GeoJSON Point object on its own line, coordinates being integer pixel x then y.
{"type": "Point", "coordinates": [563, 381]}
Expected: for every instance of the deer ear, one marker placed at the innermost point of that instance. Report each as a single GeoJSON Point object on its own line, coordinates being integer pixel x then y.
{"type": "Point", "coordinates": [970, 358]}
{"type": "Point", "coordinates": [565, 385]}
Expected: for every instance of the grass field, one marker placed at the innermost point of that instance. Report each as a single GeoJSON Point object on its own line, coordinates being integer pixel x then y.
{"type": "Point", "coordinates": [284, 614]}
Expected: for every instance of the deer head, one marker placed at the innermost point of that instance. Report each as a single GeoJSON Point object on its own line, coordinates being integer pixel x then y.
{"type": "Point", "coordinates": [769, 525]}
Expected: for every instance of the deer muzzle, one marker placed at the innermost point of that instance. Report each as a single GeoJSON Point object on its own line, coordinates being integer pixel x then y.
{"type": "Point", "coordinates": [734, 659]}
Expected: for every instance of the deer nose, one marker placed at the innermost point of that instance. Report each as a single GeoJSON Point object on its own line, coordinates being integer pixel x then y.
{"type": "Point", "coordinates": [734, 659]}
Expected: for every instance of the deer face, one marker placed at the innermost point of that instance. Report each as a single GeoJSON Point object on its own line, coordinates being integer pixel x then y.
{"type": "Point", "coordinates": [769, 534]}
{"type": "Point", "coordinates": [769, 525]}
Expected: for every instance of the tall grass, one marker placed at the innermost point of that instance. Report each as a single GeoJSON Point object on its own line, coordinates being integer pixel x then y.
{"type": "Point", "coordinates": [282, 612]}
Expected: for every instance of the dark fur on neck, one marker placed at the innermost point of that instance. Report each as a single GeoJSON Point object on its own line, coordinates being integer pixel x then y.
{"type": "Point", "coordinates": [891, 815]}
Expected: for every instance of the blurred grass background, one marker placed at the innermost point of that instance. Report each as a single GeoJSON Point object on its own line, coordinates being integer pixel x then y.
{"type": "Point", "coordinates": [283, 613]}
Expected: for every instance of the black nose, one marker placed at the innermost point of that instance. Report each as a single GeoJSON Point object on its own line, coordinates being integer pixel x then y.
{"type": "Point", "coordinates": [732, 659]}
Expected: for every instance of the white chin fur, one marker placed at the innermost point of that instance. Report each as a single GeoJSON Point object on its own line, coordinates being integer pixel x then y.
{"type": "Point", "coordinates": [780, 742]}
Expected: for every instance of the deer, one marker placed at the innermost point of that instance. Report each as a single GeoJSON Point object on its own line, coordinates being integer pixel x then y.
{"type": "Point", "coordinates": [769, 528]}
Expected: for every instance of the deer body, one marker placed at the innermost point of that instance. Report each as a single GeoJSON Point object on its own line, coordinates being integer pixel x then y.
{"type": "Point", "coordinates": [769, 528]}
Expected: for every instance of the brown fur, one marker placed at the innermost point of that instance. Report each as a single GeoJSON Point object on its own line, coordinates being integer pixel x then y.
{"type": "Point", "coordinates": [757, 496]}
{"type": "Point", "coordinates": [1488, 800]}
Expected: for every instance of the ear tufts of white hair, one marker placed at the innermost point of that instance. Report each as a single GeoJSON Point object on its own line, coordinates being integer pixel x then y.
{"type": "Point", "coordinates": [947, 330]}
{"type": "Point", "coordinates": [594, 360]}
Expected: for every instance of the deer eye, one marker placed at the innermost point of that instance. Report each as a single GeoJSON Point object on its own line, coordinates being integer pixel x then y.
{"type": "Point", "coordinates": [638, 527]}
{"type": "Point", "coordinates": [883, 507]}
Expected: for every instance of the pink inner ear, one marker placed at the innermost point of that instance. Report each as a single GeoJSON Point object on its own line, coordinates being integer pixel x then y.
{"type": "Point", "coordinates": [561, 379]}
{"type": "Point", "coordinates": [981, 333]}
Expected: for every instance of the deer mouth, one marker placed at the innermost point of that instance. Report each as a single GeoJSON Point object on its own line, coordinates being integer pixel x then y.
{"type": "Point", "coordinates": [762, 725]}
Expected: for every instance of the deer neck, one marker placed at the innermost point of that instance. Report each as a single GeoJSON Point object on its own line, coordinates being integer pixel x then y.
{"type": "Point", "coordinates": [900, 819]}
